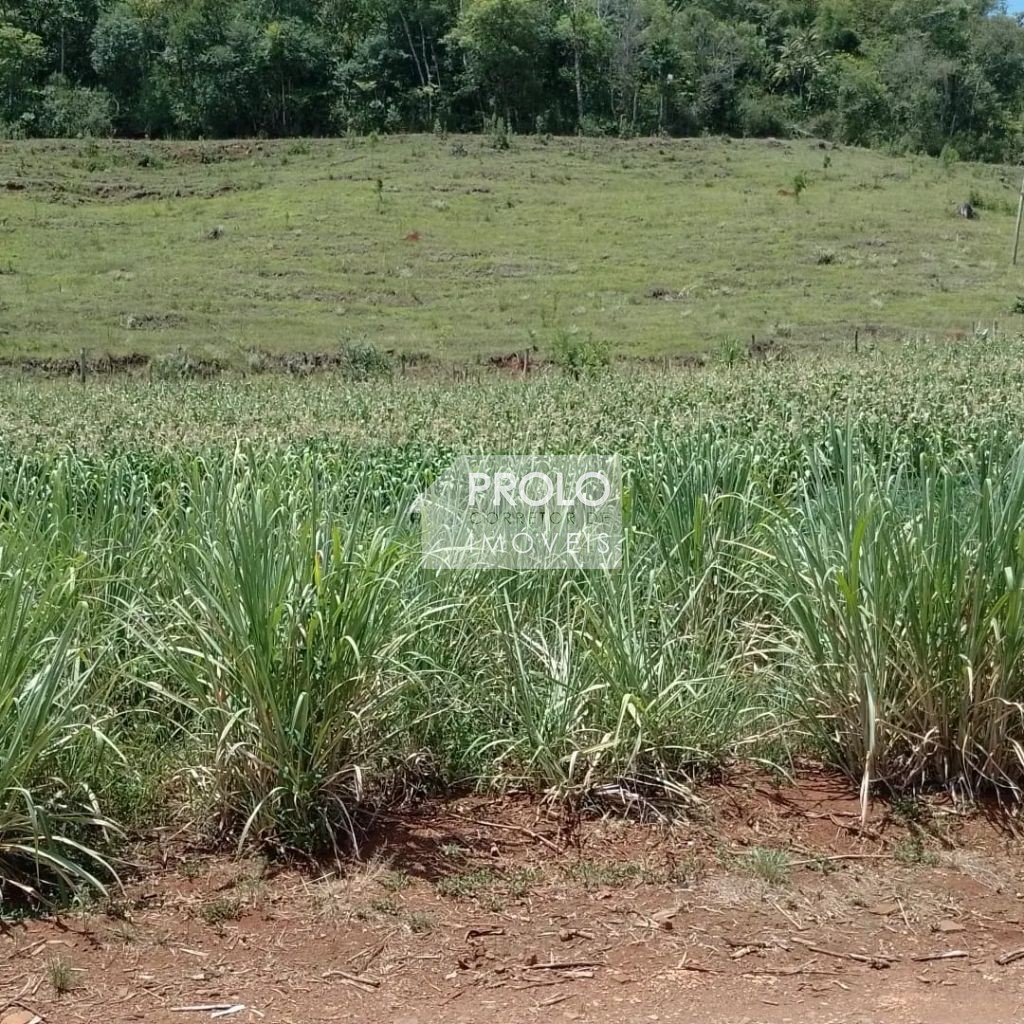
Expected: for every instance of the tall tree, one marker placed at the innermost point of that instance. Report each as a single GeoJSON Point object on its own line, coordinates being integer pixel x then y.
{"type": "Point", "coordinates": [507, 45]}
{"type": "Point", "coordinates": [22, 56]}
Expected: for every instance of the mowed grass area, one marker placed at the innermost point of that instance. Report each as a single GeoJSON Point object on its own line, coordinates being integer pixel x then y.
{"type": "Point", "coordinates": [655, 247]}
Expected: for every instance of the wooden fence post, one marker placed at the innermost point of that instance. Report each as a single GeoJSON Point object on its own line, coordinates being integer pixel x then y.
{"type": "Point", "coordinates": [1016, 233]}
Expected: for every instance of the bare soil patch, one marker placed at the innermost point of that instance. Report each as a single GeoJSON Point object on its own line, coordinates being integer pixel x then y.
{"type": "Point", "coordinates": [501, 910]}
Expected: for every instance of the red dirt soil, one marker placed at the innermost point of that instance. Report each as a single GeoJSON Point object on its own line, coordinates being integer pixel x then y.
{"type": "Point", "coordinates": [479, 910]}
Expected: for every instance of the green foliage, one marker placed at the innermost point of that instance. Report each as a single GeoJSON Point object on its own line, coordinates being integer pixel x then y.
{"type": "Point", "coordinates": [507, 46]}
{"type": "Point", "coordinates": [730, 351]}
{"type": "Point", "coordinates": [821, 558]}
{"type": "Point", "coordinates": [913, 851]}
{"type": "Point", "coordinates": [949, 156]}
{"type": "Point", "coordinates": [44, 713]}
{"type": "Point", "coordinates": [120, 54]}
{"type": "Point", "coordinates": [70, 112]}
{"type": "Point", "coordinates": [765, 115]}
{"type": "Point", "coordinates": [885, 73]}
{"type": "Point", "coordinates": [499, 132]}
{"type": "Point", "coordinates": [286, 644]}
{"type": "Point", "coordinates": [903, 586]}
{"type": "Point", "coordinates": [22, 58]}
{"type": "Point", "coordinates": [217, 912]}
{"type": "Point", "coordinates": [362, 361]}
{"type": "Point", "coordinates": [467, 885]}
{"type": "Point", "coordinates": [862, 103]}
{"type": "Point", "coordinates": [766, 863]}
{"type": "Point", "coordinates": [486, 882]}
{"type": "Point", "coordinates": [579, 354]}
{"type": "Point", "coordinates": [177, 365]}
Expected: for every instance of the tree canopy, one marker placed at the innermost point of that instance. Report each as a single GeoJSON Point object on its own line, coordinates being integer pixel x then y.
{"type": "Point", "coordinates": [896, 73]}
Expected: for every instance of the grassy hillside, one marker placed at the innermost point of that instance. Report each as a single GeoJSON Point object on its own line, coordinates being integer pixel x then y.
{"type": "Point", "coordinates": [655, 247]}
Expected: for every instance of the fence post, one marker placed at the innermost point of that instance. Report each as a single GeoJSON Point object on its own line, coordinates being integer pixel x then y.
{"type": "Point", "coordinates": [1016, 233]}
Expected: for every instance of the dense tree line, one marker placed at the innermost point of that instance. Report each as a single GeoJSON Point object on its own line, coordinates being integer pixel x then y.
{"type": "Point", "coordinates": [908, 74]}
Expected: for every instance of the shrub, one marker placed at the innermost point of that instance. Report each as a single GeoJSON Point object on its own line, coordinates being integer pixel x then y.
{"type": "Point", "coordinates": [178, 365]}
{"type": "Point", "coordinates": [577, 354]}
{"type": "Point", "coordinates": [764, 115]}
{"type": "Point", "coordinates": [595, 126]}
{"type": "Point", "coordinates": [68, 111]}
{"type": "Point", "coordinates": [498, 132]}
{"type": "Point", "coordinates": [361, 361]}
{"type": "Point", "coordinates": [863, 114]}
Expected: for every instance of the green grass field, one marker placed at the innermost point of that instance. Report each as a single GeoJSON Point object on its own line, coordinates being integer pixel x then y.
{"type": "Point", "coordinates": [654, 247]}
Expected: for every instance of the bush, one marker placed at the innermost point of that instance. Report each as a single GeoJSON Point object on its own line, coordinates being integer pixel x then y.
{"type": "Point", "coordinates": [181, 365]}
{"type": "Point", "coordinates": [364, 361]}
{"type": "Point", "coordinates": [69, 112]}
{"type": "Point", "coordinates": [579, 355]}
{"type": "Point", "coordinates": [595, 127]}
{"type": "Point", "coordinates": [863, 115]}
{"type": "Point", "coordinates": [498, 132]}
{"type": "Point", "coordinates": [764, 115]}
{"type": "Point", "coordinates": [17, 129]}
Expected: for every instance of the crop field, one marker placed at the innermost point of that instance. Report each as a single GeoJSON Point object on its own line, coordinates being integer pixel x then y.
{"type": "Point", "coordinates": [213, 605]}
{"type": "Point", "coordinates": [451, 248]}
